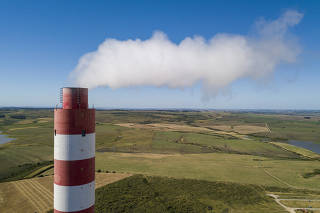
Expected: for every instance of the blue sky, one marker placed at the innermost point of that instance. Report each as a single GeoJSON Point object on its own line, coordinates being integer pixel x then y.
{"type": "Point", "coordinates": [42, 41]}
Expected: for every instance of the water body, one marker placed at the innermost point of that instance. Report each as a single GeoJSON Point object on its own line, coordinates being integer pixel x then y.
{"type": "Point", "coordinates": [315, 147]}
{"type": "Point", "coordinates": [4, 139]}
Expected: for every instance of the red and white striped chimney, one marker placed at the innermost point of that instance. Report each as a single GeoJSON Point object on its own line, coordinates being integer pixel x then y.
{"type": "Point", "coordinates": [74, 153]}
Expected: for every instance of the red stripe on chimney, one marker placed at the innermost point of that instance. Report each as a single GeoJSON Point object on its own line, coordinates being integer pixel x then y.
{"type": "Point", "coordinates": [74, 173]}
{"type": "Point", "coordinates": [74, 121]}
{"type": "Point", "coordinates": [88, 210]}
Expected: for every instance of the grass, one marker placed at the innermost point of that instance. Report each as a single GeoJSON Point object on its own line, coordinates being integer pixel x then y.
{"type": "Point", "coordinates": [316, 172]}
{"type": "Point", "coordinates": [112, 138]}
{"type": "Point", "coordinates": [213, 167]}
{"type": "Point", "coordinates": [300, 195]}
{"type": "Point", "coordinates": [301, 204]}
{"type": "Point", "coordinates": [32, 144]}
{"type": "Point", "coordinates": [39, 171]}
{"type": "Point", "coordinates": [158, 194]}
{"type": "Point", "coordinates": [27, 170]}
{"type": "Point", "coordinates": [250, 147]}
{"type": "Point", "coordinates": [284, 127]}
{"type": "Point", "coordinates": [15, 158]}
{"type": "Point", "coordinates": [298, 150]}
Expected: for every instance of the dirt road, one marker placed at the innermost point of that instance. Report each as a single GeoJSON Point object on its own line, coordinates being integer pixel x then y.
{"type": "Point", "coordinates": [292, 209]}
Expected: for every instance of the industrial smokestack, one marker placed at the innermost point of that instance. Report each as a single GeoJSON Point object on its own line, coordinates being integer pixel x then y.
{"type": "Point", "coordinates": [74, 153]}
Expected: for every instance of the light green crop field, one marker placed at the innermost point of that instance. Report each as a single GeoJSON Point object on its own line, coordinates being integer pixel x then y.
{"type": "Point", "coordinates": [213, 167]}
{"type": "Point", "coordinates": [112, 138]}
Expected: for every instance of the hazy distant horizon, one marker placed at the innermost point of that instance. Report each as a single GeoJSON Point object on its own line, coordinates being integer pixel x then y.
{"type": "Point", "coordinates": [172, 109]}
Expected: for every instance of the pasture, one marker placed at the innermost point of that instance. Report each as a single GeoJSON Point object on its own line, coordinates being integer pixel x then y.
{"type": "Point", "coordinates": [235, 168]}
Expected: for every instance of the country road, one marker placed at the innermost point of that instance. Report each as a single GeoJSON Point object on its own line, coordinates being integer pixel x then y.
{"type": "Point", "coordinates": [292, 209]}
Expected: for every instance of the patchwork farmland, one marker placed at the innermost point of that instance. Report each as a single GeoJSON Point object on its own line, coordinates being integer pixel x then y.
{"type": "Point", "coordinates": [168, 147]}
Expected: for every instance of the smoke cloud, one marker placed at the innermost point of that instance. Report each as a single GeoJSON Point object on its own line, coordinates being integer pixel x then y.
{"type": "Point", "coordinates": [214, 63]}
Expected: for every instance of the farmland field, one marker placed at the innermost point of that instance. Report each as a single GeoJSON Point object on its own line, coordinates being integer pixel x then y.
{"type": "Point", "coordinates": [214, 167]}
{"type": "Point", "coordinates": [233, 147]}
{"type": "Point", "coordinates": [36, 194]}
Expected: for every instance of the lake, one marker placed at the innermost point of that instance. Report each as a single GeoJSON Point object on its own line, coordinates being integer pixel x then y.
{"type": "Point", "coordinates": [4, 139]}
{"type": "Point", "coordinates": [315, 147]}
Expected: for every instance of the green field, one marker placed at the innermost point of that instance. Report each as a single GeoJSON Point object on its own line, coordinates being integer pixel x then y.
{"type": "Point", "coordinates": [234, 147]}
{"type": "Point", "coordinates": [214, 167]}
{"type": "Point", "coordinates": [155, 194]}
{"type": "Point", "coordinates": [33, 140]}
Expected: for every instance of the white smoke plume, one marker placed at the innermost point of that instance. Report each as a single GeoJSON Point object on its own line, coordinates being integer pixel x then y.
{"type": "Point", "coordinates": [215, 63]}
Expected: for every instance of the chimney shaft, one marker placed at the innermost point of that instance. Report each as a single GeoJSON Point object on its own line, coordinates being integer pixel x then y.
{"type": "Point", "coordinates": [74, 153]}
